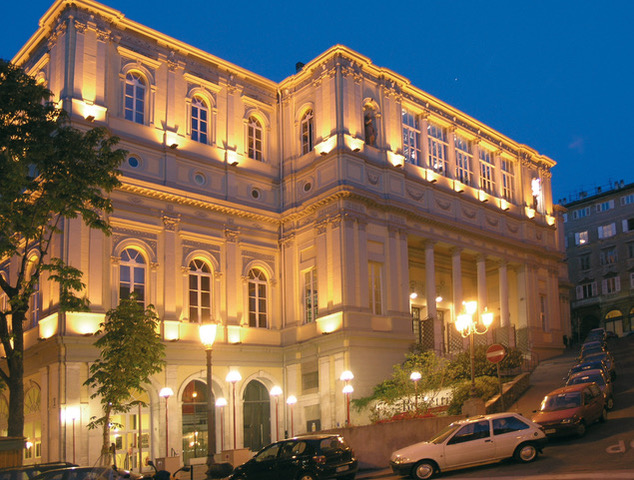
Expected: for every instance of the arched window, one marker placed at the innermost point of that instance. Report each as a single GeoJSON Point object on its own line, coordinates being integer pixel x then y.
{"type": "Point", "coordinates": [199, 291]}
{"type": "Point", "coordinates": [135, 89]}
{"type": "Point", "coordinates": [254, 138]}
{"type": "Point", "coordinates": [200, 120]}
{"type": "Point", "coordinates": [257, 298]}
{"type": "Point", "coordinates": [370, 125]}
{"type": "Point", "coordinates": [35, 300]}
{"type": "Point", "coordinates": [132, 275]}
{"type": "Point", "coordinates": [307, 127]}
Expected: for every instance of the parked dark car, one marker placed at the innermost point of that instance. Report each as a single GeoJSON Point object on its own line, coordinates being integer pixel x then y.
{"type": "Point", "coordinates": [87, 473]}
{"type": "Point", "coordinates": [596, 364]}
{"type": "Point", "coordinates": [596, 344]}
{"type": "Point", "coordinates": [603, 382]}
{"type": "Point", "coordinates": [26, 472]}
{"type": "Point", "coordinates": [310, 457]}
{"type": "Point", "coordinates": [569, 410]}
{"type": "Point", "coordinates": [607, 358]}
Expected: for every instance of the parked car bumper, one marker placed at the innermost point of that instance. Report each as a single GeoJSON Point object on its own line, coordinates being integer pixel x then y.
{"type": "Point", "coordinates": [401, 468]}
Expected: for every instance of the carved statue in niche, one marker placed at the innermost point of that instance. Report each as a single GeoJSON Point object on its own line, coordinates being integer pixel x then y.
{"type": "Point", "coordinates": [369, 120]}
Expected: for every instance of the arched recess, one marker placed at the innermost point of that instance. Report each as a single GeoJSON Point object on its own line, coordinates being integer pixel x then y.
{"type": "Point", "coordinates": [256, 415]}
{"type": "Point", "coordinates": [371, 116]}
{"type": "Point", "coordinates": [33, 421]}
{"type": "Point", "coordinates": [614, 322]}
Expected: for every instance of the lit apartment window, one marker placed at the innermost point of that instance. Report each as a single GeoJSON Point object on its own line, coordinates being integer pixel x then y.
{"type": "Point", "coordinates": [375, 289]}
{"type": "Point", "coordinates": [310, 296]}
{"type": "Point", "coordinates": [200, 120]}
{"type": "Point", "coordinates": [199, 291]}
{"type": "Point", "coordinates": [135, 98]}
{"type": "Point", "coordinates": [438, 147]}
{"type": "Point", "coordinates": [35, 305]}
{"type": "Point", "coordinates": [586, 290]}
{"type": "Point", "coordinates": [508, 179]}
{"type": "Point", "coordinates": [605, 206]}
{"type": "Point", "coordinates": [464, 158]}
{"type": "Point", "coordinates": [608, 256]}
{"type": "Point", "coordinates": [132, 275]}
{"type": "Point", "coordinates": [611, 285]}
{"type": "Point", "coordinates": [581, 238]}
{"type": "Point", "coordinates": [254, 134]}
{"type": "Point", "coordinates": [584, 262]}
{"type": "Point", "coordinates": [607, 231]}
{"type": "Point", "coordinates": [307, 127]}
{"type": "Point", "coordinates": [487, 171]}
{"type": "Point", "coordinates": [257, 291]}
{"type": "Point", "coordinates": [411, 138]}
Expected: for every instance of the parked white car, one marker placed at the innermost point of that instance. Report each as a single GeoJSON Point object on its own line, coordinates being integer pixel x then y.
{"type": "Point", "coordinates": [475, 441]}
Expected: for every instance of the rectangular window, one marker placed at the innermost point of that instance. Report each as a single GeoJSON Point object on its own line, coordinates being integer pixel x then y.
{"type": "Point", "coordinates": [310, 377]}
{"type": "Point", "coordinates": [607, 231]}
{"type": "Point", "coordinates": [375, 289]}
{"type": "Point", "coordinates": [605, 206]}
{"type": "Point", "coordinates": [310, 295]}
{"type": "Point", "coordinates": [628, 225]}
{"type": "Point", "coordinates": [411, 138]}
{"type": "Point", "coordinates": [630, 250]}
{"type": "Point", "coordinates": [506, 166]}
{"type": "Point", "coordinates": [627, 199]}
{"type": "Point", "coordinates": [608, 256]}
{"type": "Point", "coordinates": [581, 238]}
{"type": "Point", "coordinates": [464, 158]}
{"type": "Point", "coordinates": [438, 147]}
{"type": "Point", "coordinates": [586, 290]}
{"type": "Point", "coordinates": [584, 262]}
{"type": "Point", "coordinates": [580, 213]}
{"type": "Point", "coordinates": [611, 285]}
{"type": "Point", "coordinates": [487, 171]}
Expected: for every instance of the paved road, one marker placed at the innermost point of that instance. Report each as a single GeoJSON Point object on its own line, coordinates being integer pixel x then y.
{"type": "Point", "coordinates": [607, 450]}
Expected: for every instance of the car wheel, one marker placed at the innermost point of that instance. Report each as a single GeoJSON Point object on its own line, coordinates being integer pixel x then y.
{"type": "Point", "coordinates": [306, 476]}
{"type": "Point", "coordinates": [525, 453]}
{"type": "Point", "coordinates": [604, 416]}
{"type": "Point", "coordinates": [423, 470]}
{"type": "Point", "coordinates": [610, 403]}
{"type": "Point", "coordinates": [581, 429]}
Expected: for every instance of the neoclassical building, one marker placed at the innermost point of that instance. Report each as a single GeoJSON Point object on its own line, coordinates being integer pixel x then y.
{"type": "Point", "coordinates": [326, 222]}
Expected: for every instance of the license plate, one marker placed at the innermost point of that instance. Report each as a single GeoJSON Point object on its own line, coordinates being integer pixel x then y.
{"type": "Point", "coordinates": [342, 468]}
{"type": "Point", "coordinates": [550, 430]}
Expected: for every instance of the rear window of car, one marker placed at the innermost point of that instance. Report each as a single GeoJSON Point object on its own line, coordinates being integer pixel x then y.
{"type": "Point", "coordinates": [332, 443]}
{"type": "Point", "coordinates": [587, 379]}
{"type": "Point", "coordinates": [507, 425]}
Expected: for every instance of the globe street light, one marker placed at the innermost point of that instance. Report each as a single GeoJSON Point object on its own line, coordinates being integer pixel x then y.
{"type": "Point", "coordinates": [291, 401]}
{"type": "Point", "coordinates": [275, 393]}
{"type": "Point", "coordinates": [221, 403]}
{"type": "Point", "coordinates": [207, 333]}
{"type": "Point", "coordinates": [415, 377]}
{"type": "Point", "coordinates": [166, 393]}
{"type": "Point", "coordinates": [467, 327]}
{"type": "Point", "coordinates": [347, 390]}
{"type": "Point", "coordinates": [233, 377]}
{"type": "Point", "coordinates": [346, 376]}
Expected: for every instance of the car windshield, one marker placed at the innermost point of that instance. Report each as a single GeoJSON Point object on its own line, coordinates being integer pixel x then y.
{"type": "Point", "coordinates": [561, 401]}
{"type": "Point", "coordinates": [598, 379]}
{"type": "Point", "coordinates": [444, 433]}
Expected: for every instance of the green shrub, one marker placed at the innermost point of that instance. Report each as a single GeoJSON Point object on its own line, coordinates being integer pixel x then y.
{"type": "Point", "coordinates": [486, 387]}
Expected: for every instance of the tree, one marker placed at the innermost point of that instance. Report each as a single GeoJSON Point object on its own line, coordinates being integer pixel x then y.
{"type": "Point", "coordinates": [131, 352]}
{"type": "Point", "coordinates": [49, 172]}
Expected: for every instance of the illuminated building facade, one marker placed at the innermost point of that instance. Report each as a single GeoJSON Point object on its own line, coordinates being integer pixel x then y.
{"type": "Point", "coordinates": [599, 231]}
{"type": "Point", "coordinates": [326, 222]}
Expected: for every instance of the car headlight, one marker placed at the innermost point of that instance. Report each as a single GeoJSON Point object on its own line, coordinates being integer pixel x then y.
{"type": "Point", "coordinates": [569, 420]}
{"type": "Point", "coordinates": [399, 459]}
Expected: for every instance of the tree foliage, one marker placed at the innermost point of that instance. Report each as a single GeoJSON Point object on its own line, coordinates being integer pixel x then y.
{"type": "Point", "coordinates": [50, 172]}
{"type": "Point", "coordinates": [131, 352]}
{"type": "Point", "coordinates": [460, 367]}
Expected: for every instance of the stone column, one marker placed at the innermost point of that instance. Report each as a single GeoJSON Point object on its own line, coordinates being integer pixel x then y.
{"type": "Point", "coordinates": [456, 280]}
{"type": "Point", "coordinates": [430, 295]}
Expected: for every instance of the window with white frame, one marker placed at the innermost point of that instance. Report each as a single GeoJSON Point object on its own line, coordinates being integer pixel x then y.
{"type": "Point", "coordinates": [611, 285]}
{"type": "Point", "coordinates": [135, 89]}
{"type": "Point", "coordinates": [608, 256]}
{"type": "Point", "coordinates": [487, 170]}
{"type": "Point", "coordinates": [605, 206]}
{"type": "Point", "coordinates": [438, 147]}
{"type": "Point", "coordinates": [580, 213]}
{"type": "Point", "coordinates": [257, 292]}
{"type": "Point", "coordinates": [310, 295]}
{"type": "Point", "coordinates": [607, 231]}
{"type": "Point", "coordinates": [307, 131]}
{"type": "Point", "coordinates": [254, 139]}
{"type": "Point", "coordinates": [199, 291]}
{"type": "Point", "coordinates": [411, 138]}
{"type": "Point", "coordinates": [627, 199]}
{"type": "Point", "coordinates": [581, 238]}
{"type": "Point", "coordinates": [199, 120]}
{"type": "Point", "coordinates": [464, 158]}
{"type": "Point", "coordinates": [586, 290]}
{"type": "Point", "coordinates": [584, 262]}
{"type": "Point", "coordinates": [132, 270]}
{"type": "Point", "coordinates": [628, 225]}
{"type": "Point", "coordinates": [375, 288]}
{"type": "Point", "coordinates": [508, 179]}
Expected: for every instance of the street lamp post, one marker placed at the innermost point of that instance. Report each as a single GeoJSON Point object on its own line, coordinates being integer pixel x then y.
{"type": "Point", "coordinates": [347, 390]}
{"type": "Point", "coordinates": [166, 393]}
{"type": "Point", "coordinates": [73, 413]}
{"type": "Point", "coordinates": [221, 403]}
{"type": "Point", "coordinates": [291, 401]}
{"type": "Point", "coordinates": [207, 333]}
{"type": "Point", "coordinates": [467, 327]}
{"type": "Point", "coordinates": [275, 393]}
{"type": "Point", "coordinates": [415, 377]}
{"type": "Point", "coordinates": [233, 377]}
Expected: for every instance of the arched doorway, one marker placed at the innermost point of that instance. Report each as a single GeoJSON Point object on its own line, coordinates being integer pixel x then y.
{"type": "Point", "coordinates": [257, 416]}
{"type": "Point", "coordinates": [195, 431]}
{"type": "Point", "coordinates": [131, 434]}
{"type": "Point", "coordinates": [614, 322]}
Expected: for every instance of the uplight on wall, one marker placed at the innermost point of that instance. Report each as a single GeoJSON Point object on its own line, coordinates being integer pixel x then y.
{"type": "Point", "coordinates": [83, 323]}
{"type": "Point", "coordinates": [171, 330]}
{"type": "Point", "coordinates": [329, 323]}
{"type": "Point", "coordinates": [354, 144]}
{"type": "Point", "coordinates": [458, 186]}
{"type": "Point", "coordinates": [234, 334]}
{"type": "Point", "coordinates": [550, 220]}
{"type": "Point", "coordinates": [396, 159]}
{"type": "Point", "coordinates": [530, 212]}
{"type": "Point", "coordinates": [504, 205]}
{"type": "Point", "coordinates": [89, 110]}
{"type": "Point", "coordinates": [483, 196]}
{"type": "Point", "coordinates": [48, 326]}
{"type": "Point", "coordinates": [326, 146]}
{"type": "Point", "coordinates": [172, 140]}
{"type": "Point", "coordinates": [431, 176]}
{"type": "Point", "coordinates": [233, 158]}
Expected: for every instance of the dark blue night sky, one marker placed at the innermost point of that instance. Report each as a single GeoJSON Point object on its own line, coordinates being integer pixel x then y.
{"type": "Point", "coordinates": [555, 75]}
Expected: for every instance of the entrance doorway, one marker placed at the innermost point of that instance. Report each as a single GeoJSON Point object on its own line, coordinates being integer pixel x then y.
{"type": "Point", "coordinates": [257, 416]}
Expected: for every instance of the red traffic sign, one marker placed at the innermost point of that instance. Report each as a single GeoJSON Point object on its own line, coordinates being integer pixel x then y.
{"type": "Point", "coordinates": [496, 353]}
